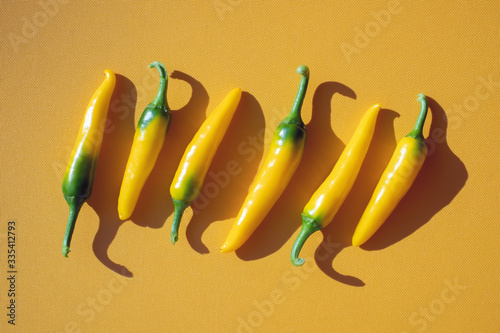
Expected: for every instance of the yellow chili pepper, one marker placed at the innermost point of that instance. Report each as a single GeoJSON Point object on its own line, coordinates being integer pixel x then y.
{"type": "Point", "coordinates": [396, 180]}
{"type": "Point", "coordinates": [278, 168]}
{"type": "Point", "coordinates": [80, 172]}
{"type": "Point", "coordinates": [196, 160]}
{"type": "Point", "coordinates": [148, 141]}
{"type": "Point", "coordinates": [328, 198]}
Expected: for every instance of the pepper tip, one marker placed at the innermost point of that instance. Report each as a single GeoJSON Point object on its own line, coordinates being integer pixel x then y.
{"type": "Point", "coordinates": [303, 70]}
{"type": "Point", "coordinates": [309, 226]}
{"type": "Point", "coordinates": [110, 76]}
{"type": "Point", "coordinates": [225, 249]}
{"type": "Point", "coordinates": [298, 261]}
{"type": "Point", "coordinates": [108, 72]}
{"type": "Point", "coordinates": [357, 240]}
{"type": "Point", "coordinates": [65, 251]}
{"type": "Point", "coordinates": [154, 64]}
{"type": "Point", "coordinates": [174, 238]}
{"type": "Point", "coordinates": [160, 67]}
{"type": "Point", "coordinates": [179, 207]}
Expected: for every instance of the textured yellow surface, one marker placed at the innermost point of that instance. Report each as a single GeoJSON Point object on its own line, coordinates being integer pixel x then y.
{"type": "Point", "coordinates": [432, 267]}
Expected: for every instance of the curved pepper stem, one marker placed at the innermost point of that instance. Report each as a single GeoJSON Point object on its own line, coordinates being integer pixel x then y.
{"type": "Point", "coordinates": [160, 100]}
{"type": "Point", "coordinates": [75, 204]}
{"type": "Point", "coordinates": [416, 132]}
{"type": "Point", "coordinates": [180, 207]}
{"type": "Point", "coordinates": [294, 116]}
{"type": "Point", "coordinates": [309, 226]}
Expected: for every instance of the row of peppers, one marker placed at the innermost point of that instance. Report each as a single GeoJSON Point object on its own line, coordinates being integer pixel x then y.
{"type": "Point", "coordinates": [280, 163]}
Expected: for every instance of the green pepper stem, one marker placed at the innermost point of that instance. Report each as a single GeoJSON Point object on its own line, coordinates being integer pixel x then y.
{"type": "Point", "coordinates": [160, 100]}
{"type": "Point", "coordinates": [309, 226]}
{"type": "Point", "coordinates": [75, 204]}
{"type": "Point", "coordinates": [294, 117]}
{"type": "Point", "coordinates": [180, 207]}
{"type": "Point", "coordinates": [417, 132]}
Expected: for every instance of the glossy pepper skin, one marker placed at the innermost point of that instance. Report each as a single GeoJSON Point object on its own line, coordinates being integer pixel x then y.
{"type": "Point", "coordinates": [396, 180]}
{"type": "Point", "coordinates": [279, 165]}
{"type": "Point", "coordinates": [148, 140]}
{"type": "Point", "coordinates": [198, 156]}
{"type": "Point", "coordinates": [79, 176]}
{"type": "Point", "coordinates": [328, 198]}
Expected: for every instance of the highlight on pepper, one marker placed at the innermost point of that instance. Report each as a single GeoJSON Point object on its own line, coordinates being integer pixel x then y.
{"type": "Point", "coordinates": [198, 156]}
{"type": "Point", "coordinates": [79, 176]}
{"type": "Point", "coordinates": [280, 163]}
{"type": "Point", "coordinates": [148, 141]}
{"type": "Point", "coordinates": [326, 201]}
{"type": "Point", "coordinates": [396, 180]}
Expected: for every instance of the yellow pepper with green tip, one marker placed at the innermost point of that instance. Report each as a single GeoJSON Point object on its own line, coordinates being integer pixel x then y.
{"type": "Point", "coordinates": [328, 198]}
{"type": "Point", "coordinates": [283, 158]}
{"type": "Point", "coordinates": [80, 172]}
{"type": "Point", "coordinates": [148, 141]}
{"type": "Point", "coordinates": [198, 156]}
{"type": "Point", "coordinates": [396, 180]}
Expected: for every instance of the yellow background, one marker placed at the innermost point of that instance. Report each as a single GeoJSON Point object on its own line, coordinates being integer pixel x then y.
{"type": "Point", "coordinates": [127, 277]}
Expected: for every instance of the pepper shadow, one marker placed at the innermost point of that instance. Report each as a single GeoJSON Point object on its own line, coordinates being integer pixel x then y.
{"type": "Point", "coordinates": [230, 173]}
{"type": "Point", "coordinates": [441, 178]}
{"type": "Point", "coordinates": [110, 167]}
{"type": "Point", "coordinates": [322, 149]}
{"type": "Point", "coordinates": [155, 203]}
{"type": "Point", "coordinates": [337, 235]}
